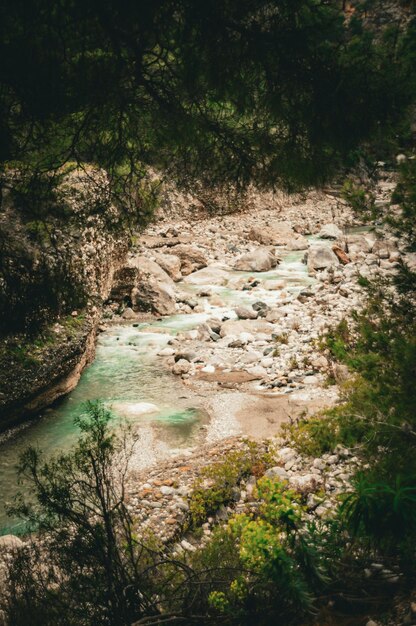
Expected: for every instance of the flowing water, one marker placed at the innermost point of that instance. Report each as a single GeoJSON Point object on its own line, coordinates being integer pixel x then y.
{"type": "Point", "coordinates": [126, 375]}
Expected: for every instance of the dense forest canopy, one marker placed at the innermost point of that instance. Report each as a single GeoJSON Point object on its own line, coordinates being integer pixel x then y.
{"type": "Point", "coordinates": [278, 91]}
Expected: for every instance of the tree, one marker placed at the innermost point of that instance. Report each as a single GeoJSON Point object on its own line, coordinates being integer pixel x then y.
{"type": "Point", "coordinates": [277, 92]}
{"type": "Point", "coordinates": [94, 568]}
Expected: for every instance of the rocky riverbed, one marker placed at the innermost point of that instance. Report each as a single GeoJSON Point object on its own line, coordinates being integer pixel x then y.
{"type": "Point", "coordinates": [265, 286]}
{"type": "Point", "coordinates": [231, 310]}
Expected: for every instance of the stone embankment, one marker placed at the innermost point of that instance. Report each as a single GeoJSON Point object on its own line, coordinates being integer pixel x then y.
{"type": "Point", "coordinates": [91, 243]}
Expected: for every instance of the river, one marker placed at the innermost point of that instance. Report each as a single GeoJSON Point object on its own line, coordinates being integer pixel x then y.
{"type": "Point", "coordinates": [127, 376]}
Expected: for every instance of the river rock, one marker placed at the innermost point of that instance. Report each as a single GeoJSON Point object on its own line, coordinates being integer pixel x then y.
{"type": "Point", "coordinates": [181, 367]}
{"type": "Point", "coordinates": [308, 483]}
{"type": "Point", "coordinates": [277, 472]}
{"type": "Point", "coordinates": [252, 327]}
{"type": "Point", "coordinates": [384, 248]}
{"type": "Point", "coordinates": [149, 287]}
{"type": "Point", "coordinates": [210, 275]}
{"type": "Point", "coordinates": [136, 408]}
{"type": "Point", "coordinates": [187, 356]}
{"type": "Point", "coordinates": [191, 257]}
{"type": "Point", "coordinates": [153, 295]}
{"type": "Point", "coordinates": [298, 243]}
{"type": "Point", "coordinates": [259, 260]}
{"type": "Point", "coordinates": [341, 255]}
{"type": "Point", "coordinates": [261, 307]}
{"type": "Point", "coordinates": [359, 243]}
{"type": "Point", "coordinates": [341, 373]}
{"type": "Point", "coordinates": [171, 264]}
{"type": "Point", "coordinates": [129, 314]}
{"type": "Point", "coordinates": [274, 285]}
{"type": "Point", "coordinates": [246, 313]}
{"type": "Point", "coordinates": [330, 231]}
{"type": "Point", "coordinates": [9, 543]}
{"type": "Point", "coordinates": [277, 234]}
{"type": "Point", "coordinates": [166, 352]}
{"type": "Point", "coordinates": [320, 258]}
{"type": "Point", "coordinates": [319, 362]}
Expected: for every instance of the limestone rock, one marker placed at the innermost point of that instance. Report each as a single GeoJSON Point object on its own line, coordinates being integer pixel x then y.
{"type": "Point", "coordinates": [320, 258]}
{"type": "Point", "coordinates": [277, 472]}
{"type": "Point", "coordinates": [154, 290]}
{"type": "Point", "coordinates": [210, 275]}
{"type": "Point", "coordinates": [259, 260]}
{"type": "Point", "coordinates": [277, 234]}
{"type": "Point", "coordinates": [330, 231]}
{"type": "Point", "coordinates": [171, 264]}
{"type": "Point", "coordinates": [181, 367]}
{"type": "Point", "coordinates": [246, 313]}
{"type": "Point", "coordinates": [129, 314]}
{"type": "Point", "coordinates": [10, 542]}
{"type": "Point", "coordinates": [308, 483]}
{"type": "Point", "coordinates": [191, 257]}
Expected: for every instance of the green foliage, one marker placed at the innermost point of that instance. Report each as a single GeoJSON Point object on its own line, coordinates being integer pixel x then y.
{"type": "Point", "coordinates": [282, 338]}
{"type": "Point", "coordinates": [276, 92]}
{"type": "Point", "coordinates": [336, 340]}
{"type": "Point", "coordinates": [322, 433]}
{"type": "Point", "coordinates": [405, 195]}
{"type": "Point", "coordinates": [94, 568]}
{"type": "Point", "coordinates": [280, 559]}
{"type": "Point", "coordinates": [361, 200]}
{"type": "Point", "coordinates": [293, 363]}
{"type": "Point", "coordinates": [378, 412]}
{"type": "Point", "coordinates": [382, 512]}
{"type": "Point", "coordinates": [216, 485]}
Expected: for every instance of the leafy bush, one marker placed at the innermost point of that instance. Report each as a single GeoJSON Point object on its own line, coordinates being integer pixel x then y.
{"type": "Point", "coordinates": [361, 200]}
{"type": "Point", "coordinates": [222, 478]}
{"type": "Point", "coordinates": [86, 564]}
{"type": "Point", "coordinates": [378, 412]}
{"type": "Point", "coordinates": [319, 434]}
{"type": "Point", "coordinates": [381, 511]}
{"type": "Point", "coordinates": [404, 222]}
{"type": "Point", "coordinates": [280, 560]}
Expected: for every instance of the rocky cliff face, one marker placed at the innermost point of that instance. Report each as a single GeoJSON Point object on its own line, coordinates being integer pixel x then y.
{"type": "Point", "coordinates": [67, 257]}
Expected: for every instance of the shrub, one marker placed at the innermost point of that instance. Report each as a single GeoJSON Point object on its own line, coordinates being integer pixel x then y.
{"type": "Point", "coordinates": [87, 565]}
{"type": "Point", "coordinates": [361, 200]}
{"type": "Point", "coordinates": [279, 560]}
{"type": "Point", "coordinates": [222, 478]}
{"type": "Point", "coordinates": [381, 511]}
